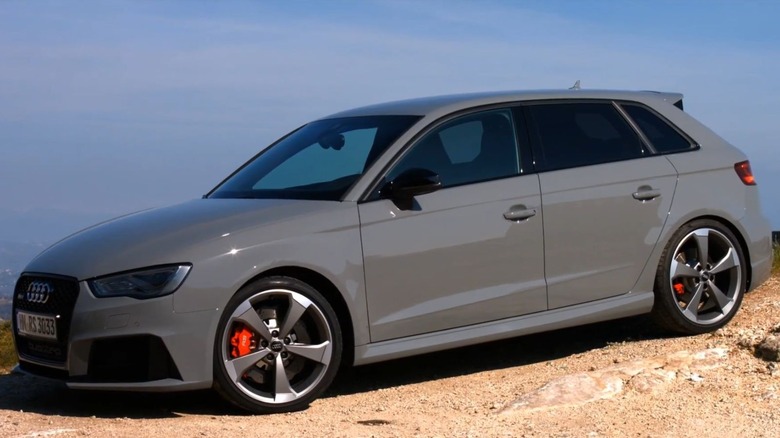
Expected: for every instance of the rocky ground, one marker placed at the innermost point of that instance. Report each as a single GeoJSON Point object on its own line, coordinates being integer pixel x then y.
{"type": "Point", "coordinates": [620, 378]}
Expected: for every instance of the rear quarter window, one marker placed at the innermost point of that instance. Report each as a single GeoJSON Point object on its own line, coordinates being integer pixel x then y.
{"type": "Point", "coordinates": [663, 137]}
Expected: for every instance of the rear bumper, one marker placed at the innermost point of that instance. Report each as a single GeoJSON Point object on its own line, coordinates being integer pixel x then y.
{"type": "Point", "coordinates": [762, 270]}
{"type": "Point", "coordinates": [757, 233]}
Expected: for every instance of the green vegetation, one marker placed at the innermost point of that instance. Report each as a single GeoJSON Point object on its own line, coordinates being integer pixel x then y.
{"type": "Point", "coordinates": [776, 260]}
{"type": "Point", "coordinates": [7, 353]}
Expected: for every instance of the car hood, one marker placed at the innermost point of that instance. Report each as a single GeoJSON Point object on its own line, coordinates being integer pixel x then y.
{"type": "Point", "coordinates": [183, 233]}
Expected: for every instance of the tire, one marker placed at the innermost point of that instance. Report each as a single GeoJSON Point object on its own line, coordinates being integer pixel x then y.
{"type": "Point", "coordinates": [278, 346]}
{"type": "Point", "coordinates": [701, 279]}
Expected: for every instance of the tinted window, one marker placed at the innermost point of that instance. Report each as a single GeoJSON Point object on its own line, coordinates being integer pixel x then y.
{"type": "Point", "coordinates": [319, 161]}
{"type": "Point", "coordinates": [663, 137]}
{"type": "Point", "coordinates": [473, 148]}
{"type": "Point", "coordinates": [332, 164]}
{"type": "Point", "coordinates": [578, 134]}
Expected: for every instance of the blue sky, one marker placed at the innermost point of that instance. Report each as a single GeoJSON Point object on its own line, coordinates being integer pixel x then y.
{"type": "Point", "coordinates": [110, 107]}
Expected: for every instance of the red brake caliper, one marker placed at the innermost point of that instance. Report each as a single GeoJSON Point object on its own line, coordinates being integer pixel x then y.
{"type": "Point", "coordinates": [679, 288]}
{"type": "Point", "coordinates": [242, 341]}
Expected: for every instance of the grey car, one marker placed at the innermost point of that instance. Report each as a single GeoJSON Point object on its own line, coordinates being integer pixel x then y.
{"type": "Point", "coordinates": [404, 228]}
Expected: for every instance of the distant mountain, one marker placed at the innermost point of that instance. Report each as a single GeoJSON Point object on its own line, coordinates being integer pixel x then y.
{"type": "Point", "coordinates": [7, 282]}
{"type": "Point", "coordinates": [5, 309]}
{"type": "Point", "coordinates": [45, 225]}
{"type": "Point", "coordinates": [6, 300]}
{"type": "Point", "coordinates": [16, 255]}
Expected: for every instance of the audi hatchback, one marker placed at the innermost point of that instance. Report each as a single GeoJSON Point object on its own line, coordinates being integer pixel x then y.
{"type": "Point", "coordinates": [399, 229]}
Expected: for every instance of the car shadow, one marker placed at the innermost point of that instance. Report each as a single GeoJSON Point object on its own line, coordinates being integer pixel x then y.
{"type": "Point", "coordinates": [513, 352]}
{"type": "Point", "coordinates": [31, 394]}
{"type": "Point", "coordinates": [48, 397]}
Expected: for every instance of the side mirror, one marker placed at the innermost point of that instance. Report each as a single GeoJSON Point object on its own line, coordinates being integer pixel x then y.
{"type": "Point", "coordinates": [411, 183]}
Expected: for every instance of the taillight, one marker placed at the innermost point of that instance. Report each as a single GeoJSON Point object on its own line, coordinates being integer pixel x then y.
{"type": "Point", "coordinates": [745, 173]}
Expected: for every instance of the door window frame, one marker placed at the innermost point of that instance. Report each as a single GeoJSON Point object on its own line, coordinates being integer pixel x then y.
{"type": "Point", "coordinates": [522, 143]}
{"type": "Point", "coordinates": [529, 149]}
{"type": "Point", "coordinates": [537, 143]}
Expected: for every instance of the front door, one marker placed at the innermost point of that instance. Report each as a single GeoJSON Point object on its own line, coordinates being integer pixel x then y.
{"type": "Point", "coordinates": [469, 253]}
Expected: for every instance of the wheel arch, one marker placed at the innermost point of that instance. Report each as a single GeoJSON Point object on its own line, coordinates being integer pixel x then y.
{"type": "Point", "coordinates": [737, 233]}
{"type": "Point", "coordinates": [330, 292]}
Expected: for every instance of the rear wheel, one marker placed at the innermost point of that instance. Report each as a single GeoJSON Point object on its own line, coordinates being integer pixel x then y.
{"type": "Point", "coordinates": [701, 279]}
{"type": "Point", "coordinates": [278, 346]}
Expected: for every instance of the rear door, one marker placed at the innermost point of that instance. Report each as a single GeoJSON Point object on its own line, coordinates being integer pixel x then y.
{"type": "Point", "coordinates": [605, 199]}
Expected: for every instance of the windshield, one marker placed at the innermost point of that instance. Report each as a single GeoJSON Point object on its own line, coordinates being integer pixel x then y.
{"type": "Point", "coordinates": [320, 160]}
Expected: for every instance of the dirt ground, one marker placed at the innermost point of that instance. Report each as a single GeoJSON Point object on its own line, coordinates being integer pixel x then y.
{"type": "Point", "coordinates": [466, 392]}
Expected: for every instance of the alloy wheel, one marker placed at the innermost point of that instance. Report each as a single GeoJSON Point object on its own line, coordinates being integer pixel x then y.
{"type": "Point", "coordinates": [705, 276]}
{"type": "Point", "coordinates": [277, 347]}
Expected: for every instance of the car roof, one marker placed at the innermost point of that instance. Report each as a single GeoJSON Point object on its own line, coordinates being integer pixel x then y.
{"type": "Point", "coordinates": [455, 102]}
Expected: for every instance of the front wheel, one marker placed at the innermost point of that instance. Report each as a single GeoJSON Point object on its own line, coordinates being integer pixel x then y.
{"type": "Point", "coordinates": [701, 279]}
{"type": "Point", "coordinates": [278, 346]}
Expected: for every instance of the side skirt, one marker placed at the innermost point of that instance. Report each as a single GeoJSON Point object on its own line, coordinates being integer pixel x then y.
{"type": "Point", "coordinates": [634, 303]}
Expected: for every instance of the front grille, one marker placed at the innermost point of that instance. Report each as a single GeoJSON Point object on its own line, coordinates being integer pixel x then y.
{"type": "Point", "coordinates": [61, 294]}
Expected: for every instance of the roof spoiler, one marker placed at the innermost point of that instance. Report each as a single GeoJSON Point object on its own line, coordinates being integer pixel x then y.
{"type": "Point", "coordinates": [675, 99]}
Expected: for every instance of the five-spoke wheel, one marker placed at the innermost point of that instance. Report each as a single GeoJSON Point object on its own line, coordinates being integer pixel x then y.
{"type": "Point", "coordinates": [701, 278]}
{"type": "Point", "coordinates": [278, 346]}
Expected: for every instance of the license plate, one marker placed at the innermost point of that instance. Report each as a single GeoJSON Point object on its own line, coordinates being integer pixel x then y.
{"type": "Point", "coordinates": [36, 326]}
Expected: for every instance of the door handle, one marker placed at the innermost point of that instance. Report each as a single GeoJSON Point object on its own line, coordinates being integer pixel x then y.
{"type": "Point", "coordinates": [646, 193]}
{"type": "Point", "coordinates": [519, 213]}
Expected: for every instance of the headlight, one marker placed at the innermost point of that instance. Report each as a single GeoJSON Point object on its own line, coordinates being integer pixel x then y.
{"type": "Point", "coordinates": [141, 284]}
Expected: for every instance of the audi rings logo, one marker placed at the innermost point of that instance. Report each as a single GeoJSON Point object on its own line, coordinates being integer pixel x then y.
{"type": "Point", "coordinates": [38, 292]}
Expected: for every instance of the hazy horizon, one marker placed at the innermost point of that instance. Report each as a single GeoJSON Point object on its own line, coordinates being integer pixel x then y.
{"type": "Point", "coordinates": [112, 107]}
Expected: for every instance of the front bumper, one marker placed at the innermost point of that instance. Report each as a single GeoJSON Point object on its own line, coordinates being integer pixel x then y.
{"type": "Point", "coordinates": [119, 343]}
